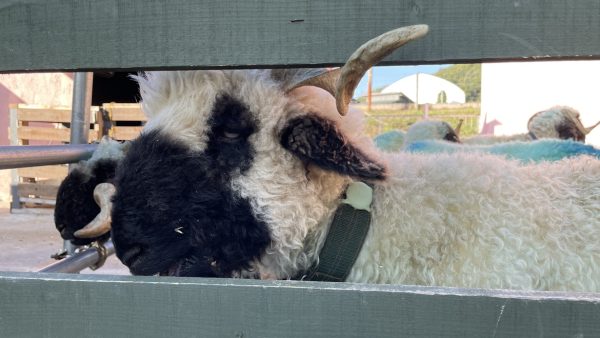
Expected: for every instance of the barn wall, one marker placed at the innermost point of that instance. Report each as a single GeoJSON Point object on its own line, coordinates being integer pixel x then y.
{"type": "Point", "coordinates": [48, 89]}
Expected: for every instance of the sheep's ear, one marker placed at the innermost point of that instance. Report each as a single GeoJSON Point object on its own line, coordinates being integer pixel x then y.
{"type": "Point", "coordinates": [318, 141]}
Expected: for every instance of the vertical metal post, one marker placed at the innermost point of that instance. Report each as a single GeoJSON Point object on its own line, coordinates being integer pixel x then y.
{"type": "Point", "coordinates": [82, 102]}
{"type": "Point", "coordinates": [369, 89]}
{"type": "Point", "coordinates": [80, 119]}
{"type": "Point", "coordinates": [14, 177]}
{"type": "Point", "coordinates": [417, 94]}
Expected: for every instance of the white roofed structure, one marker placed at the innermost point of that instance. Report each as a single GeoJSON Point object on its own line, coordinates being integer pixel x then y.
{"type": "Point", "coordinates": [425, 88]}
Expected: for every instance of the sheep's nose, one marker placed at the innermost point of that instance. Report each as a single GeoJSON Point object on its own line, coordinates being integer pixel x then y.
{"type": "Point", "coordinates": [130, 255]}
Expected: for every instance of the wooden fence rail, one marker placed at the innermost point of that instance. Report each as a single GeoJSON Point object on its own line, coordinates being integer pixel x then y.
{"type": "Point", "coordinates": [121, 121]}
{"type": "Point", "coordinates": [143, 34]}
{"type": "Point", "coordinates": [62, 305]}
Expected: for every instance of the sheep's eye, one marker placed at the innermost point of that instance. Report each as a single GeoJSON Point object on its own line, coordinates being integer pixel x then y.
{"type": "Point", "coordinates": [231, 135]}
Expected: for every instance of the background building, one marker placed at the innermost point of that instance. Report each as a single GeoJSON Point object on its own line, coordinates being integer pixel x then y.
{"type": "Point", "coordinates": [424, 88]}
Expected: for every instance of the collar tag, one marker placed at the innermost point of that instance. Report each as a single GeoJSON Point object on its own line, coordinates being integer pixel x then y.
{"type": "Point", "coordinates": [359, 195]}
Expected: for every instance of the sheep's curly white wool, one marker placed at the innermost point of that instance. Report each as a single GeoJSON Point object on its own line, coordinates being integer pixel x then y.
{"type": "Point", "coordinates": [427, 130]}
{"type": "Point", "coordinates": [466, 220]}
{"type": "Point", "coordinates": [481, 221]}
{"type": "Point", "coordinates": [390, 141]}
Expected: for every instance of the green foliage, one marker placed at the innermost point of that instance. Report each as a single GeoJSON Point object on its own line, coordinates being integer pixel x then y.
{"type": "Point", "coordinates": [467, 77]}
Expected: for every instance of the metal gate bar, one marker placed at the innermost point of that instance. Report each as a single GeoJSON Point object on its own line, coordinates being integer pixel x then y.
{"type": "Point", "coordinates": [84, 259]}
{"type": "Point", "coordinates": [32, 156]}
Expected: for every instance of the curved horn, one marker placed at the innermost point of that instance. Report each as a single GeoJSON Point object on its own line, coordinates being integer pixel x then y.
{"type": "Point", "coordinates": [326, 80]}
{"type": "Point", "coordinates": [458, 126]}
{"type": "Point", "coordinates": [589, 129]}
{"type": "Point", "coordinates": [341, 82]}
{"type": "Point", "coordinates": [368, 55]}
{"type": "Point", "coordinates": [101, 223]}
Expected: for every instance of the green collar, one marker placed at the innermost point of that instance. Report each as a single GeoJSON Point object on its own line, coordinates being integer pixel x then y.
{"type": "Point", "coordinates": [346, 236]}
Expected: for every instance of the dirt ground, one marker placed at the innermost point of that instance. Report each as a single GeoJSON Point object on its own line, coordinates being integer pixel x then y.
{"type": "Point", "coordinates": [28, 240]}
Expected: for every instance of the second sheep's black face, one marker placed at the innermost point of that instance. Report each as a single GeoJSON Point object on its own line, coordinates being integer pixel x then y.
{"type": "Point", "coordinates": [452, 137]}
{"type": "Point", "coordinates": [567, 130]}
{"type": "Point", "coordinates": [174, 212]}
{"type": "Point", "coordinates": [75, 205]}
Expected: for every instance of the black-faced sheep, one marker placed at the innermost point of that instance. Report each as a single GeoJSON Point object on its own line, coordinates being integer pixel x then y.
{"type": "Point", "coordinates": [559, 122]}
{"type": "Point", "coordinates": [430, 136]}
{"type": "Point", "coordinates": [243, 180]}
{"type": "Point", "coordinates": [76, 203]}
{"type": "Point", "coordinates": [236, 176]}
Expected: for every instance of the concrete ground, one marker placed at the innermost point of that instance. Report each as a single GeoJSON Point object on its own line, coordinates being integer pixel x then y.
{"type": "Point", "coordinates": [29, 239]}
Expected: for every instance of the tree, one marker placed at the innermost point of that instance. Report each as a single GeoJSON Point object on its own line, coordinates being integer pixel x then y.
{"type": "Point", "coordinates": [467, 77]}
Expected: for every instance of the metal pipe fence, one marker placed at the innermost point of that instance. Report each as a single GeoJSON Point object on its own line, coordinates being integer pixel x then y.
{"type": "Point", "coordinates": [32, 156]}
{"type": "Point", "coordinates": [93, 256]}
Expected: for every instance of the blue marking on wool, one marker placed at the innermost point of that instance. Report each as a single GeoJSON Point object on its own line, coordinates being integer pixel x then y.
{"type": "Point", "coordinates": [390, 141]}
{"type": "Point", "coordinates": [526, 152]}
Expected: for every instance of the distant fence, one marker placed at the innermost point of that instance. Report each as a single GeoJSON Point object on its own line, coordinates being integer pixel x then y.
{"type": "Point", "coordinates": [121, 121]}
{"type": "Point", "coordinates": [29, 124]}
{"type": "Point", "coordinates": [40, 125]}
{"type": "Point", "coordinates": [386, 117]}
{"type": "Point", "coordinates": [408, 106]}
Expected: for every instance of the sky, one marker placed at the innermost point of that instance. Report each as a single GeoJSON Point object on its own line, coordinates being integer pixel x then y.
{"type": "Point", "coordinates": [386, 75]}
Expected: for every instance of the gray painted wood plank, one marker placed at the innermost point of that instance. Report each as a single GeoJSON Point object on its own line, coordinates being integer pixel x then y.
{"type": "Point", "coordinates": [146, 34]}
{"type": "Point", "coordinates": [61, 305]}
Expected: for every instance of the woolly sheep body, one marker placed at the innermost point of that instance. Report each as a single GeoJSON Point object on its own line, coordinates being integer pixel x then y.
{"type": "Point", "coordinates": [533, 151]}
{"type": "Point", "coordinates": [475, 221]}
{"type": "Point", "coordinates": [429, 130]}
{"type": "Point", "coordinates": [390, 141]}
{"type": "Point", "coordinates": [493, 139]}
{"type": "Point", "coordinates": [397, 140]}
{"type": "Point", "coordinates": [481, 221]}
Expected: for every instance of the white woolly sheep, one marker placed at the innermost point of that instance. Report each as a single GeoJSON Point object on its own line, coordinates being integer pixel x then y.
{"type": "Point", "coordinates": [431, 130]}
{"type": "Point", "coordinates": [236, 176]}
{"type": "Point", "coordinates": [560, 122]}
{"type": "Point", "coordinates": [430, 136]}
{"type": "Point", "coordinates": [475, 221]}
{"type": "Point", "coordinates": [395, 140]}
{"type": "Point", "coordinates": [76, 203]}
{"type": "Point", "coordinates": [390, 141]}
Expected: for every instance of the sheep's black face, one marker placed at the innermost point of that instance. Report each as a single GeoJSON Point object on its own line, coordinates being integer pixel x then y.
{"type": "Point", "coordinates": [567, 129]}
{"type": "Point", "coordinates": [175, 212]}
{"type": "Point", "coordinates": [451, 137]}
{"type": "Point", "coordinates": [75, 205]}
